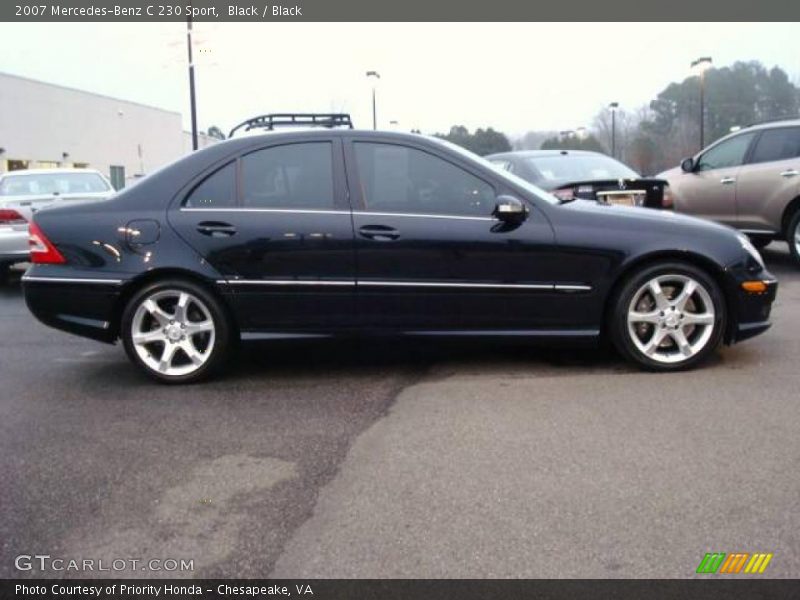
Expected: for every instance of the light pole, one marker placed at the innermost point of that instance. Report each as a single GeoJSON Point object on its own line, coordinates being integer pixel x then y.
{"type": "Point", "coordinates": [377, 76]}
{"type": "Point", "coordinates": [192, 99]}
{"type": "Point", "coordinates": [700, 66]}
{"type": "Point", "coordinates": [614, 106]}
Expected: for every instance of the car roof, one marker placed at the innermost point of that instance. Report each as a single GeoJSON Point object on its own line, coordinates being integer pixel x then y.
{"type": "Point", "coordinates": [543, 153]}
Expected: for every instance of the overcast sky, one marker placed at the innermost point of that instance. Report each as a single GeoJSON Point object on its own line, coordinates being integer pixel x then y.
{"type": "Point", "coordinates": [514, 77]}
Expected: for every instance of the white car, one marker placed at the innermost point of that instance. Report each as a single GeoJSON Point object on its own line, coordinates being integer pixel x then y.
{"type": "Point", "coordinates": [24, 192]}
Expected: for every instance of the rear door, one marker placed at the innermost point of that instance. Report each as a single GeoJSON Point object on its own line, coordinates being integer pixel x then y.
{"type": "Point", "coordinates": [769, 180]}
{"type": "Point", "coordinates": [276, 223]}
{"type": "Point", "coordinates": [710, 190]}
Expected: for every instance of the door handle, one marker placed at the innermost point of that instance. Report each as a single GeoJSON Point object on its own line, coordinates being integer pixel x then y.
{"type": "Point", "coordinates": [379, 233]}
{"type": "Point", "coordinates": [790, 173]}
{"type": "Point", "coordinates": [216, 229]}
{"type": "Point", "coordinates": [727, 180]}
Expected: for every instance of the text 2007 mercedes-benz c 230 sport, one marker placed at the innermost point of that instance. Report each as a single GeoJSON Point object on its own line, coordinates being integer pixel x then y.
{"type": "Point", "coordinates": [330, 232]}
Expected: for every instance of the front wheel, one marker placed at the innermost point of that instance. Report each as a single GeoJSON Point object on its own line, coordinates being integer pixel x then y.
{"type": "Point", "coordinates": [176, 331]}
{"type": "Point", "coordinates": [668, 317]}
{"type": "Point", "coordinates": [793, 237]}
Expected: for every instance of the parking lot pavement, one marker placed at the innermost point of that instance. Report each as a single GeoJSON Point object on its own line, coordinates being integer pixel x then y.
{"type": "Point", "coordinates": [344, 460]}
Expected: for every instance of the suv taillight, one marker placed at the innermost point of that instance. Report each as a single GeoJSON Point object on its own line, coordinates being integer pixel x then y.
{"type": "Point", "coordinates": [9, 216]}
{"type": "Point", "coordinates": [42, 250]}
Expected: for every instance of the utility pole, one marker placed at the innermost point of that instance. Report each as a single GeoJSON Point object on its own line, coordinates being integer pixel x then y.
{"type": "Point", "coordinates": [376, 76]}
{"type": "Point", "coordinates": [613, 106]}
{"type": "Point", "coordinates": [192, 96]}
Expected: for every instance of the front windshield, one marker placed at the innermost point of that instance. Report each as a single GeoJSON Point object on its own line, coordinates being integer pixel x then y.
{"type": "Point", "coordinates": [577, 167]}
{"type": "Point", "coordinates": [35, 184]}
{"type": "Point", "coordinates": [510, 177]}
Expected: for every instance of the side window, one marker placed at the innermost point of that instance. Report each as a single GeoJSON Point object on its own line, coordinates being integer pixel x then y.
{"type": "Point", "coordinates": [292, 176]}
{"type": "Point", "coordinates": [777, 144]}
{"type": "Point", "coordinates": [402, 179]}
{"type": "Point", "coordinates": [215, 191]}
{"type": "Point", "coordinates": [729, 153]}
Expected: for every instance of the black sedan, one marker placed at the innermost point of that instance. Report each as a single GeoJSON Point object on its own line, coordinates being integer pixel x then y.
{"type": "Point", "coordinates": [334, 232]}
{"type": "Point", "coordinates": [583, 175]}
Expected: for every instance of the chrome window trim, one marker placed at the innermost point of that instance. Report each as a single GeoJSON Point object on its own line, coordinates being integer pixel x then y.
{"type": "Point", "coordinates": [312, 211]}
{"type": "Point", "coordinates": [421, 215]}
{"type": "Point", "coordinates": [423, 284]}
{"type": "Point", "coordinates": [41, 279]}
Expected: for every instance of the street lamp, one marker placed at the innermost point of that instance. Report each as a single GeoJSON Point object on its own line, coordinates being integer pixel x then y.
{"type": "Point", "coordinates": [700, 66]}
{"type": "Point", "coordinates": [614, 106]}
{"type": "Point", "coordinates": [192, 99]}
{"type": "Point", "coordinates": [377, 76]}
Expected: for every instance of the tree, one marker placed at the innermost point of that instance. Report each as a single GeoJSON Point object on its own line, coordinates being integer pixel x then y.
{"type": "Point", "coordinates": [482, 142]}
{"type": "Point", "coordinates": [658, 136]}
{"type": "Point", "coordinates": [573, 142]}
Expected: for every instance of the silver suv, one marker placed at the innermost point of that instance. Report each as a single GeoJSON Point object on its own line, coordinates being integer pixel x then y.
{"type": "Point", "coordinates": [749, 179]}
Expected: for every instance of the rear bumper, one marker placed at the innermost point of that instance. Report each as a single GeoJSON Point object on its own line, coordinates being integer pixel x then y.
{"type": "Point", "coordinates": [13, 245]}
{"type": "Point", "coordinates": [82, 306]}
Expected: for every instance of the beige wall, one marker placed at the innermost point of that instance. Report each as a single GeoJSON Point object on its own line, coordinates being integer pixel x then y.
{"type": "Point", "coordinates": [39, 122]}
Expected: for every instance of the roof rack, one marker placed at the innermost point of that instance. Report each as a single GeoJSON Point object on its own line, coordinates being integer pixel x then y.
{"type": "Point", "coordinates": [270, 122]}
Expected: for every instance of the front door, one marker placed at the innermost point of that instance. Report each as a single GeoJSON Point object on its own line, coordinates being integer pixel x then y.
{"type": "Point", "coordinates": [430, 255]}
{"type": "Point", "coordinates": [276, 224]}
{"type": "Point", "coordinates": [709, 191]}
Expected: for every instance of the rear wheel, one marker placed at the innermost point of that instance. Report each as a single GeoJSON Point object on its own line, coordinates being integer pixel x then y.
{"type": "Point", "coordinates": [668, 317]}
{"type": "Point", "coordinates": [176, 331]}
{"type": "Point", "coordinates": [793, 237]}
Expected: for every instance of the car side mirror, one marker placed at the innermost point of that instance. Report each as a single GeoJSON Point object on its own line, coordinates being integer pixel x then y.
{"type": "Point", "coordinates": [508, 208]}
{"type": "Point", "coordinates": [687, 165]}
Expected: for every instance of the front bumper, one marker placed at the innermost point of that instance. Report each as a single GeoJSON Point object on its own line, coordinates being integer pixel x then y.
{"type": "Point", "coordinates": [751, 310]}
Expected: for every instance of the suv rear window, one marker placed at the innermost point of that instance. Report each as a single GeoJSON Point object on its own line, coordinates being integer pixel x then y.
{"type": "Point", "coordinates": [777, 144]}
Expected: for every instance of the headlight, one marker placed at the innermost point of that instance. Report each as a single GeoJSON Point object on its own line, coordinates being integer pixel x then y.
{"type": "Point", "coordinates": [751, 250]}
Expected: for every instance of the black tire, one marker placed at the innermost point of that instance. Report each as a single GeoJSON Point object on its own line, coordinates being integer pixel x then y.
{"type": "Point", "coordinates": [620, 332]}
{"type": "Point", "coordinates": [223, 333]}
{"type": "Point", "coordinates": [793, 237]}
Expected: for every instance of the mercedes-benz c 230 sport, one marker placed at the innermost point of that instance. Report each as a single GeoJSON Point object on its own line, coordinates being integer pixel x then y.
{"type": "Point", "coordinates": [339, 231]}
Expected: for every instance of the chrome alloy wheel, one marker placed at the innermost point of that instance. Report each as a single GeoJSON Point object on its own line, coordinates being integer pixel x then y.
{"type": "Point", "coordinates": [671, 318]}
{"type": "Point", "coordinates": [173, 332]}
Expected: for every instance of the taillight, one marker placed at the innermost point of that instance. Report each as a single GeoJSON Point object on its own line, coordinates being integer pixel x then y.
{"type": "Point", "coordinates": [667, 199]}
{"type": "Point", "coordinates": [9, 216]}
{"type": "Point", "coordinates": [565, 195]}
{"type": "Point", "coordinates": [42, 250]}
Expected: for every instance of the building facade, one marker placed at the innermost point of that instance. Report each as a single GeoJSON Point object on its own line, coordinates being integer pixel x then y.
{"type": "Point", "coordinates": [45, 126]}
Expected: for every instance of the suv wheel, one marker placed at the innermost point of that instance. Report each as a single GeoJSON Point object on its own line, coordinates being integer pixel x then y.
{"type": "Point", "coordinates": [667, 317]}
{"type": "Point", "coordinates": [175, 331]}
{"type": "Point", "coordinates": [793, 237]}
